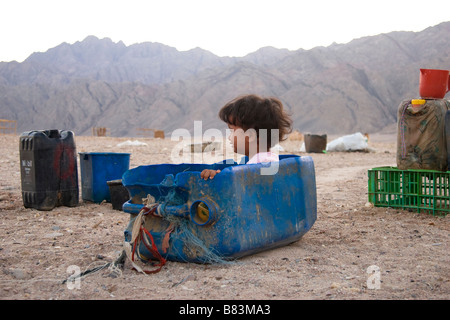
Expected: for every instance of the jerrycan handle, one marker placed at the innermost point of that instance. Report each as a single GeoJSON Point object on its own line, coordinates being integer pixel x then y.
{"type": "Point", "coordinates": [53, 134]}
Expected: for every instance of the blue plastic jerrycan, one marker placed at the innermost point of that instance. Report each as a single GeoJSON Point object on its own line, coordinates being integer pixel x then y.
{"type": "Point", "coordinates": [245, 209]}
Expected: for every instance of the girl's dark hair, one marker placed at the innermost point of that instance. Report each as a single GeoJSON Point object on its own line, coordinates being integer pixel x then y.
{"type": "Point", "coordinates": [254, 112]}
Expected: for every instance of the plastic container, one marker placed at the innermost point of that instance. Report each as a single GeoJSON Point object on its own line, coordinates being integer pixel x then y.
{"type": "Point", "coordinates": [48, 168]}
{"type": "Point", "coordinates": [434, 84]}
{"type": "Point", "coordinates": [97, 168]}
{"type": "Point", "coordinates": [315, 143]}
{"type": "Point", "coordinates": [421, 135]}
{"type": "Point", "coordinates": [119, 194]}
{"type": "Point", "coordinates": [239, 212]}
{"type": "Point", "coordinates": [417, 190]}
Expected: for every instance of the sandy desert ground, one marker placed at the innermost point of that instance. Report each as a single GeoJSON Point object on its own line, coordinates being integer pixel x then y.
{"type": "Point", "coordinates": [332, 261]}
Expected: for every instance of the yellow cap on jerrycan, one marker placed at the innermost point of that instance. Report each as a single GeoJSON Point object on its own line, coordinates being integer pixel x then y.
{"type": "Point", "coordinates": [418, 102]}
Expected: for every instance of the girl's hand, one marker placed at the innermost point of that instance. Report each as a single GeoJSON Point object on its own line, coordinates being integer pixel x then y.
{"type": "Point", "coordinates": [208, 174]}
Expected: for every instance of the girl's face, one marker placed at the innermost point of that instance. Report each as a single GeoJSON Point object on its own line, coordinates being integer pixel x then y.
{"type": "Point", "coordinates": [241, 140]}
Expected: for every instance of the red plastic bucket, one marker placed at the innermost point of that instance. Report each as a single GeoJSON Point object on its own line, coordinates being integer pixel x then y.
{"type": "Point", "coordinates": [434, 84]}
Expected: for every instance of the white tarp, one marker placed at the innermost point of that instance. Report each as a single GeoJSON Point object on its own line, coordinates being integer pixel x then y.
{"type": "Point", "coordinates": [352, 142]}
{"type": "Point", "coordinates": [131, 143]}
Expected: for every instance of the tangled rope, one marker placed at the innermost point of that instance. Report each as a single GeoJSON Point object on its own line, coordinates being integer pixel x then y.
{"type": "Point", "coordinates": [141, 235]}
{"type": "Point", "coordinates": [115, 268]}
{"type": "Point", "coordinates": [402, 131]}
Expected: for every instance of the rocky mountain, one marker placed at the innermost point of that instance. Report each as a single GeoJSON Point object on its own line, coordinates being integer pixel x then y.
{"type": "Point", "coordinates": [338, 89]}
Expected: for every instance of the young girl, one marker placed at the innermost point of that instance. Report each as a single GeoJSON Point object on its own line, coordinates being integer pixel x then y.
{"type": "Point", "coordinates": [256, 124]}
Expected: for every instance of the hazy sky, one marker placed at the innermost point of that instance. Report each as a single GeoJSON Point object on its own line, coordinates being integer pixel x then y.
{"type": "Point", "coordinates": [224, 27]}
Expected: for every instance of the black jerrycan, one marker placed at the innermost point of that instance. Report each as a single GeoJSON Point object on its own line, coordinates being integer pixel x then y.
{"type": "Point", "coordinates": [48, 168]}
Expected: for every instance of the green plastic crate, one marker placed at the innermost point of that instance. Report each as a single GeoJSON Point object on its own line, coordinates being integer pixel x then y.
{"type": "Point", "coordinates": [419, 190]}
